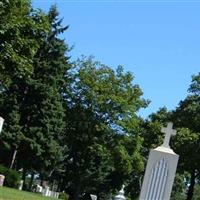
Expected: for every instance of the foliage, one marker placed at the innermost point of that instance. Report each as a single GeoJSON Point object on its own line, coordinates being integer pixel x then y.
{"type": "Point", "coordinates": [32, 104]}
{"type": "Point", "coordinates": [19, 25]}
{"type": "Point", "coordinates": [12, 177]}
{"type": "Point", "coordinates": [63, 195]}
{"type": "Point", "coordinates": [101, 103]}
{"type": "Point", "coordinates": [186, 138]}
{"type": "Point", "coordinates": [179, 188]}
{"type": "Point", "coordinates": [151, 130]}
{"type": "Point", "coordinates": [197, 192]}
{"type": "Point", "coordinates": [45, 123]}
{"type": "Point", "coordinates": [187, 117]}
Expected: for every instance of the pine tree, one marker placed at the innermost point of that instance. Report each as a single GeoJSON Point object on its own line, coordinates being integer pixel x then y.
{"type": "Point", "coordinates": [43, 113]}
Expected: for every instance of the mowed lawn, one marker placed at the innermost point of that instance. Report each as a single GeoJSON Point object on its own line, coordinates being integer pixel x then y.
{"type": "Point", "coordinates": [13, 194]}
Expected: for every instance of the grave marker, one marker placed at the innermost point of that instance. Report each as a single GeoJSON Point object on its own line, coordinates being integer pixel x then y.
{"type": "Point", "coordinates": [160, 170]}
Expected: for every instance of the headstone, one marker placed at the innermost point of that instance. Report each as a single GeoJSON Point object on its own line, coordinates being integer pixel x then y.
{"type": "Point", "coordinates": [2, 178]}
{"type": "Point", "coordinates": [1, 123]}
{"type": "Point", "coordinates": [57, 195]}
{"type": "Point", "coordinates": [160, 170]}
{"type": "Point", "coordinates": [39, 188]}
{"type": "Point", "coordinates": [93, 197]}
{"type": "Point", "coordinates": [45, 191]}
{"type": "Point", "coordinates": [120, 195]}
{"type": "Point", "coordinates": [21, 185]}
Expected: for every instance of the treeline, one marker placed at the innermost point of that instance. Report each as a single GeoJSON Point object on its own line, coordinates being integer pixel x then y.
{"type": "Point", "coordinates": [75, 124]}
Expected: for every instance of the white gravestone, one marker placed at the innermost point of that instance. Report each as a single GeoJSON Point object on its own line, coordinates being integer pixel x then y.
{"type": "Point", "coordinates": [2, 177]}
{"type": "Point", "coordinates": [20, 185]}
{"type": "Point", "coordinates": [39, 188]}
{"type": "Point", "coordinates": [45, 191]}
{"type": "Point", "coordinates": [1, 123]}
{"type": "Point", "coordinates": [160, 170]}
{"type": "Point", "coordinates": [93, 197]}
{"type": "Point", "coordinates": [120, 196]}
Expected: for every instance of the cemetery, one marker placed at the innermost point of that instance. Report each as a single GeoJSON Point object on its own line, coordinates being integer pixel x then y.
{"type": "Point", "coordinates": [73, 128]}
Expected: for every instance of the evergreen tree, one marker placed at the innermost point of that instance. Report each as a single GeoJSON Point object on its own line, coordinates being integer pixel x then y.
{"type": "Point", "coordinates": [43, 112]}
{"type": "Point", "coordinates": [18, 27]}
{"type": "Point", "coordinates": [32, 105]}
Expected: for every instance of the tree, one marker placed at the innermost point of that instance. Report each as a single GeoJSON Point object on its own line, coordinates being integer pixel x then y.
{"type": "Point", "coordinates": [102, 104]}
{"type": "Point", "coordinates": [44, 124]}
{"type": "Point", "coordinates": [187, 116]}
{"type": "Point", "coordinates": [189, 157]}
{"type": "Point", "coordinates": [35, 103]}
{"type": "Point", "coordinates": [18, 27]}
{"type": "Point", "coordinates": [151, 130]}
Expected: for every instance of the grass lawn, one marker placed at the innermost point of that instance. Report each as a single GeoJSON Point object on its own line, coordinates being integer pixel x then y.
{"type": "Point", "coordinates": [13, 194]}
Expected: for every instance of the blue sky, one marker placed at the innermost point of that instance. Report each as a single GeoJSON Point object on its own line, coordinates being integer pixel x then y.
{"type": "Point", "coordinates": [158, 41]}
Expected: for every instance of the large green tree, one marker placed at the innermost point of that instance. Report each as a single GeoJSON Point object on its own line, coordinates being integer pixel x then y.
{"type": "Point", "coordinates": [102, 104]}
{"type": "Point", "coordinates": [32, 105]}
{"type": "Point", "coordinates": [19, 28]}
{"type": "Point", "coordinates": [45, 125]}
{"type": "Point", "coordinates": [19, 25]}
{"type": "Point", "coordinates": [187, 116]}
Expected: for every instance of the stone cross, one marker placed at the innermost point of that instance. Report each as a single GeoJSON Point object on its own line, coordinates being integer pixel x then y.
{"type": "Point", "coordinates": [1, 123]}
{"type": "Point", "coordinates": [168, 132]}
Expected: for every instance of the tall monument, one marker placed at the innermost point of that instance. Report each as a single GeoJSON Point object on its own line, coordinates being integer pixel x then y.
{"type": "Point", "coordinates": [160, 170]}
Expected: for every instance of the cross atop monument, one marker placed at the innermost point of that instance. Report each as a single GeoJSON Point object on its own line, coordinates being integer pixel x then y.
{"type": "Point", "coordinates": [168, 132]}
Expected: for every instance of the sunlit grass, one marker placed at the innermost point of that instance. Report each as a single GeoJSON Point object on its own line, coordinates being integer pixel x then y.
{"type": "Point", "coordinates": [13, 194]}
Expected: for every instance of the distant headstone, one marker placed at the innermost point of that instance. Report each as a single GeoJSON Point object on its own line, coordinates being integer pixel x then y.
{"type": "Point", "coordinates": [160, 170]}
{"type": "Point", "coordinates": [38, 188]}
{"type": "Point", "coordinates": [1, 123]}
{"type": "Point", "coordinates": [2, 178]}
{"type": "Point", "coordinates": [21, 185]}
{"type": "Point", "coordinates": [45, 191]}
{"type": "Point", "coordinates": [93, 197]}
{"type": "Point", "coordinates": [120, 195]}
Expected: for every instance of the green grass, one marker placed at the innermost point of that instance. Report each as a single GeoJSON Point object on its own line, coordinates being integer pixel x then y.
{"type": "Point", "coordinates": [13, 194]}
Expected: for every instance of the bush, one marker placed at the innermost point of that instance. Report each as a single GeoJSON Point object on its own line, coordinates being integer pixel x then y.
{"type": "Point", "coordinates": [12, 177]}
{"type": "Point", "coordinates": [63, 195]}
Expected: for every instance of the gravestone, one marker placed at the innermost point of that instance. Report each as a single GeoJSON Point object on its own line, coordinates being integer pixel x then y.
{"type": "Point", "coordinates": [20, 185]}
{"type": "Point", "coordinates": [45, 191]}
{"type": "Point", "coordinates": [120, 196]}
{"type": "Point", "coordinates": [38, 188]}
{"type": "Point", "coordinates": [2, 177]}
{"type": "Point", "coordinates": [93, 197]}
{"type": "Point", "coordinates": [1, 123]}
{"type": "Point", "coordinates": [160, 170]}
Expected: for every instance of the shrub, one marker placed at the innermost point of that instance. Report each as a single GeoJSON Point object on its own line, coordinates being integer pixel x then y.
{"type": "Point", "coordinates": [12, 177]}
{"type": "Point", "coordinates": [64, 196]}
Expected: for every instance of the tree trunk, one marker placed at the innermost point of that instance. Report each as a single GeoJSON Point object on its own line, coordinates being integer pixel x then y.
{"type": "Point", "coordinates": [24, 179]}
{"type": "Point", "coordinates": [31, 181]}
{"type": "Point", "coordinates": [76, 193]}
{"type": "Point", "coordinates": [191, 187]}
{"type": "Point", "coordinates": [60, 185]}
{"type": "Point", "coordinates": [13, 158]}
{"type": "Point", "coordinates": [41, 179]}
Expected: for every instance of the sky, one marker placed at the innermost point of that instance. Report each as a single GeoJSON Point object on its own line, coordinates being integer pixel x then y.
{"type": "Point", "coordinates": [158, 41]}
